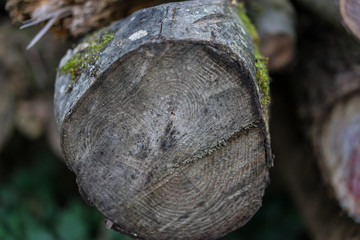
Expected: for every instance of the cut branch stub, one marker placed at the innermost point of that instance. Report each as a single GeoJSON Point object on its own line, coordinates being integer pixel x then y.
{"type": "Point", "coordinates": [165, 127]}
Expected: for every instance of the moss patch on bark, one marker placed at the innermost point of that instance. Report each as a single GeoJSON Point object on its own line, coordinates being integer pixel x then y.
{"type": "Point", "coordinates": [262, 75]}
{"type": "Point", "coordinates": [85, 56]}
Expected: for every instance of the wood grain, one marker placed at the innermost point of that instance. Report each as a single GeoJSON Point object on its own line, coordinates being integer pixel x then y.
{"type": "Point", "coordinates": [168, 137]}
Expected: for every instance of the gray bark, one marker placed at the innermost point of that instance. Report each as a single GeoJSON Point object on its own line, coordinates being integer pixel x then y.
{"type": "Point", "coordinates": [166, 131]}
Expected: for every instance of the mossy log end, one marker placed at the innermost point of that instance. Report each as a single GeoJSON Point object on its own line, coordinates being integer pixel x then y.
{"type": "Point", "coordinates": [164, 126]}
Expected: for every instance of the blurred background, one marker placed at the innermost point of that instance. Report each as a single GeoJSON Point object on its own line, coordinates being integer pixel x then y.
{"type": "Point", "coordinates": [39, 199]}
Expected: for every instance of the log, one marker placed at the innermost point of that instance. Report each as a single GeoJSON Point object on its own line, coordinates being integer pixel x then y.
{"type": "Point", "coordinates": [338, 12]}
{"type": "Point", "coordinates": [164, 124]}
{"type": "Point", "coordinates": [275, 22]}
{"type": "Point", "coordinates": [75, 18]}
{"type": "Point", "coordinates": [327, 85]}
{"type": "Point", "coordinates": [295, 164]}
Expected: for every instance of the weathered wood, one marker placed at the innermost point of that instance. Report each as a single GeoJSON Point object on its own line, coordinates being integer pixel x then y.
{"type": "Point", "coordinates": [165, 126]}
{"type": "Point", "coordinates": [339, 12]}
{"type": "Point", "coordinates": [295, 163]}
{"type": "Point", "coordinates": [76, 17]}
{"type": "Point", "coordinates": [327, 86]}
{"type": "Point", "coordinates": [275, 22]}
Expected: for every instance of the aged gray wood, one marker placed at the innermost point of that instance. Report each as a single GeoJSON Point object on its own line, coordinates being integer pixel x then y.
{"type": "Point", "coordinates": [275, 23]}
{"type": "Point", "coordinates": [327, 89]}
{"type": "Point", "coordinates": [166, 131]}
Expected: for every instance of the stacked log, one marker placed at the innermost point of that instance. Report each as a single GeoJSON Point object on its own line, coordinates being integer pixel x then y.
{"type": "Point", "coordinates": [327, 88]}
{"type": "Point", "coordinates": [275, 23]}
{"type": "Point", "coordinates": [296, 165]}
{"type": "Point", "coordinates": [165, 124]}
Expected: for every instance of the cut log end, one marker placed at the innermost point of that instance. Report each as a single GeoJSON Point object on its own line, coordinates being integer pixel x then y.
{"type": "Point", "coordinates": [167, 136]}
{"type": "Point", "coordinates": [349, 11]}
{"type": "Point", "coordinates": [168, 142]}
{"type": "Point", "coordinates": [340, 141]}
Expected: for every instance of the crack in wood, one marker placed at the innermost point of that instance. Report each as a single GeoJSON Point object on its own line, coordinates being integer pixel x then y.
{"type": "Point", "coordinates": [213, 18]}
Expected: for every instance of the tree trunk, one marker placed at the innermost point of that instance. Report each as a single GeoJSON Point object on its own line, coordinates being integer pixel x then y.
{"type": "Point", "coordinates": [327, 84]}
{"type": "Point", "coordinates": [164, 124]}
{"type": "Point", "coordinates": [295, 163]}
{"type": "Point", "coordinates": [275, 22]}
{"type": "Point", "coordinates": [339, 12]}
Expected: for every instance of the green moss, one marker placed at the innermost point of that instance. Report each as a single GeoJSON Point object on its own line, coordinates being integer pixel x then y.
{"type": "Point", "coordinates": [86, 57]}
{"type": "Point", "coordinates": [262, 75]}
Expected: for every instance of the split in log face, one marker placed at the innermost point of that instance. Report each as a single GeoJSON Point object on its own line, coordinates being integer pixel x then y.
{"type": "Point", "coordinates": [169, 148]}
{"type": "Point", "coordinates": [170, 139]}
{"type": "Point", "coordinates": [340, 142]}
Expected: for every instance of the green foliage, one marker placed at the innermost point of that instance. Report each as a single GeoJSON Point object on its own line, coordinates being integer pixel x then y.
{"type": "Point", "coordinates": [31, 209]}
{"type": "Point", "coordinates": [262, 75]}
{"type": "Point", "coordinates": [86, 57]}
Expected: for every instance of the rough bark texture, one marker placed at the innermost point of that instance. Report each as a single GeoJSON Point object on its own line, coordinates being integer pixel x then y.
{"type": "Point", "coordinates": [338, 12]}
{"type": "Point", "coordinates": [165, 129]}
{"type": "Point", "coordinates": [327, 86]}
{"type": "Point", "coordinates": [275, 22]}
{"type": "Point", "coordinates": [296, 164]}
{"type": "Point", "coordinates": [75, 17]}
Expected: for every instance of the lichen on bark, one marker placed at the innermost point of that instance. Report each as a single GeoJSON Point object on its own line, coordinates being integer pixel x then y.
{"type": "Point", "coordinates": [85, 55]}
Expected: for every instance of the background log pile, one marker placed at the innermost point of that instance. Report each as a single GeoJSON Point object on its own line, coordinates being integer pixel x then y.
{"type": "Point", "coordinates": [313, 53]}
